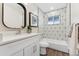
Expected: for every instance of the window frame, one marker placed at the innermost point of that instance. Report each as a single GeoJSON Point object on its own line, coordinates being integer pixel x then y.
{"type": "Point", "coordinates": [53, 23]}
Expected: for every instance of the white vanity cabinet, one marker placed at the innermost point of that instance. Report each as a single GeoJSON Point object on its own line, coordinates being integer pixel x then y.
{"type": "Point", "coordinates": [28, 46]}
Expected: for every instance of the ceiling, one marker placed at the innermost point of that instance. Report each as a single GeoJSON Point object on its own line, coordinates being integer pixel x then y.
{"type": "Point", "coordinates": [45, 7]}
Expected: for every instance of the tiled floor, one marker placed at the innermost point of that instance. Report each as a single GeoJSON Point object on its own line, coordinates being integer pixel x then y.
{"type": "Point", "coordinates": [52, 52]}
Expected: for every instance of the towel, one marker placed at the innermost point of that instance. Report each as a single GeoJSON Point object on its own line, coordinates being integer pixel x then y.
{"type": "Point", "coordinates": [73, 37]}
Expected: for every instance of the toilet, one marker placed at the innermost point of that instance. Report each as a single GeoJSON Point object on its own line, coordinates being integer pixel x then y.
{"type": "Point", "coordinates": [43, 46]}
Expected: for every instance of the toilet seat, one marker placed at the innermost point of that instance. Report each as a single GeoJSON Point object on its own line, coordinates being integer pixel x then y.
{"type": "Point", "coordinates": [44, 44]}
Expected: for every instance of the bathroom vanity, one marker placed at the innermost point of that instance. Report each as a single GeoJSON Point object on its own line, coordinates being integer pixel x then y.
{"type": "Point", "coordinates": [20, 45]}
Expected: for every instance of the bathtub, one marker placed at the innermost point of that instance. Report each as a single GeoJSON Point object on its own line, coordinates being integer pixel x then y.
{"type": "Point", "coordinates": [57, 44]}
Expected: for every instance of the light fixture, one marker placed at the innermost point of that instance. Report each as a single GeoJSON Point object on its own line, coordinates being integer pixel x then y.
{"type": "Point", "coordinates": [51, 8]}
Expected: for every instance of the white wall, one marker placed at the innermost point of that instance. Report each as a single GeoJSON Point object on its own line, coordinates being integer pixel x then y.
{"type": "Point", "coordinates": [56, 31]}
{"type": "Point", "coordinates": [61, 31]}
{"type": "Point", "coordinates": [74, 12]}
{"type": "Point", "coordinates": [35, 10]}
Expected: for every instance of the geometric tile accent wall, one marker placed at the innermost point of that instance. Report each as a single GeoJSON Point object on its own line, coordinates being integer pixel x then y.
{"type": "Point", "coordinates": [56, 32]}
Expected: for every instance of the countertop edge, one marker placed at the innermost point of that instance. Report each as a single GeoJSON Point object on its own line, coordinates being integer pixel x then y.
{"type": "Point", "coordinates": [18, 39]}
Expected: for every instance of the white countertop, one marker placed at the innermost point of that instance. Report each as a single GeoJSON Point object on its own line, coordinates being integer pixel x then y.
{"type": "Point", "coordinates": [12, 38]}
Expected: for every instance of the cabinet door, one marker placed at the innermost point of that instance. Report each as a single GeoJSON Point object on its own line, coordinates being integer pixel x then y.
{"type": "Point", "coordinates": [18, 53]}
{"type": "Point", "coordinates": [28, 51]}
{"type": "Point", "coordinates": [31, 50]}
{"type": "Point", "coordinates": [36, 49]}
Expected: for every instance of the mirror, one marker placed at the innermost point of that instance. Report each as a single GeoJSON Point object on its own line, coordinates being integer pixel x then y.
{"type": "Point", "coordinates": [14, 15]}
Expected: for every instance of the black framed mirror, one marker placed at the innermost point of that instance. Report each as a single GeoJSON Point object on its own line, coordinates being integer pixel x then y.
{"type": "Point", "coordinates": [14, 15]}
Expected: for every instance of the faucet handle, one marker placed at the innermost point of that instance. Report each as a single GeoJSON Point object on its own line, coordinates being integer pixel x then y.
{"type": "Point", "coordinates": [22, 27]}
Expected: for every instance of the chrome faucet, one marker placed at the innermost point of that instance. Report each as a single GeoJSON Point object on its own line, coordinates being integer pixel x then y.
{"type": "Point", "coordinates": [19, 30]}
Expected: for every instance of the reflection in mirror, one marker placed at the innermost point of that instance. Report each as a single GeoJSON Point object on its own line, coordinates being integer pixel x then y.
{"type": "Point", "coordinates": [14, 15]}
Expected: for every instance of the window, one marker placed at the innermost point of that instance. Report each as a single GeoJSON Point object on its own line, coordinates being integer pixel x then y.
{"type": "Point", "coordinates": [54, 20]}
